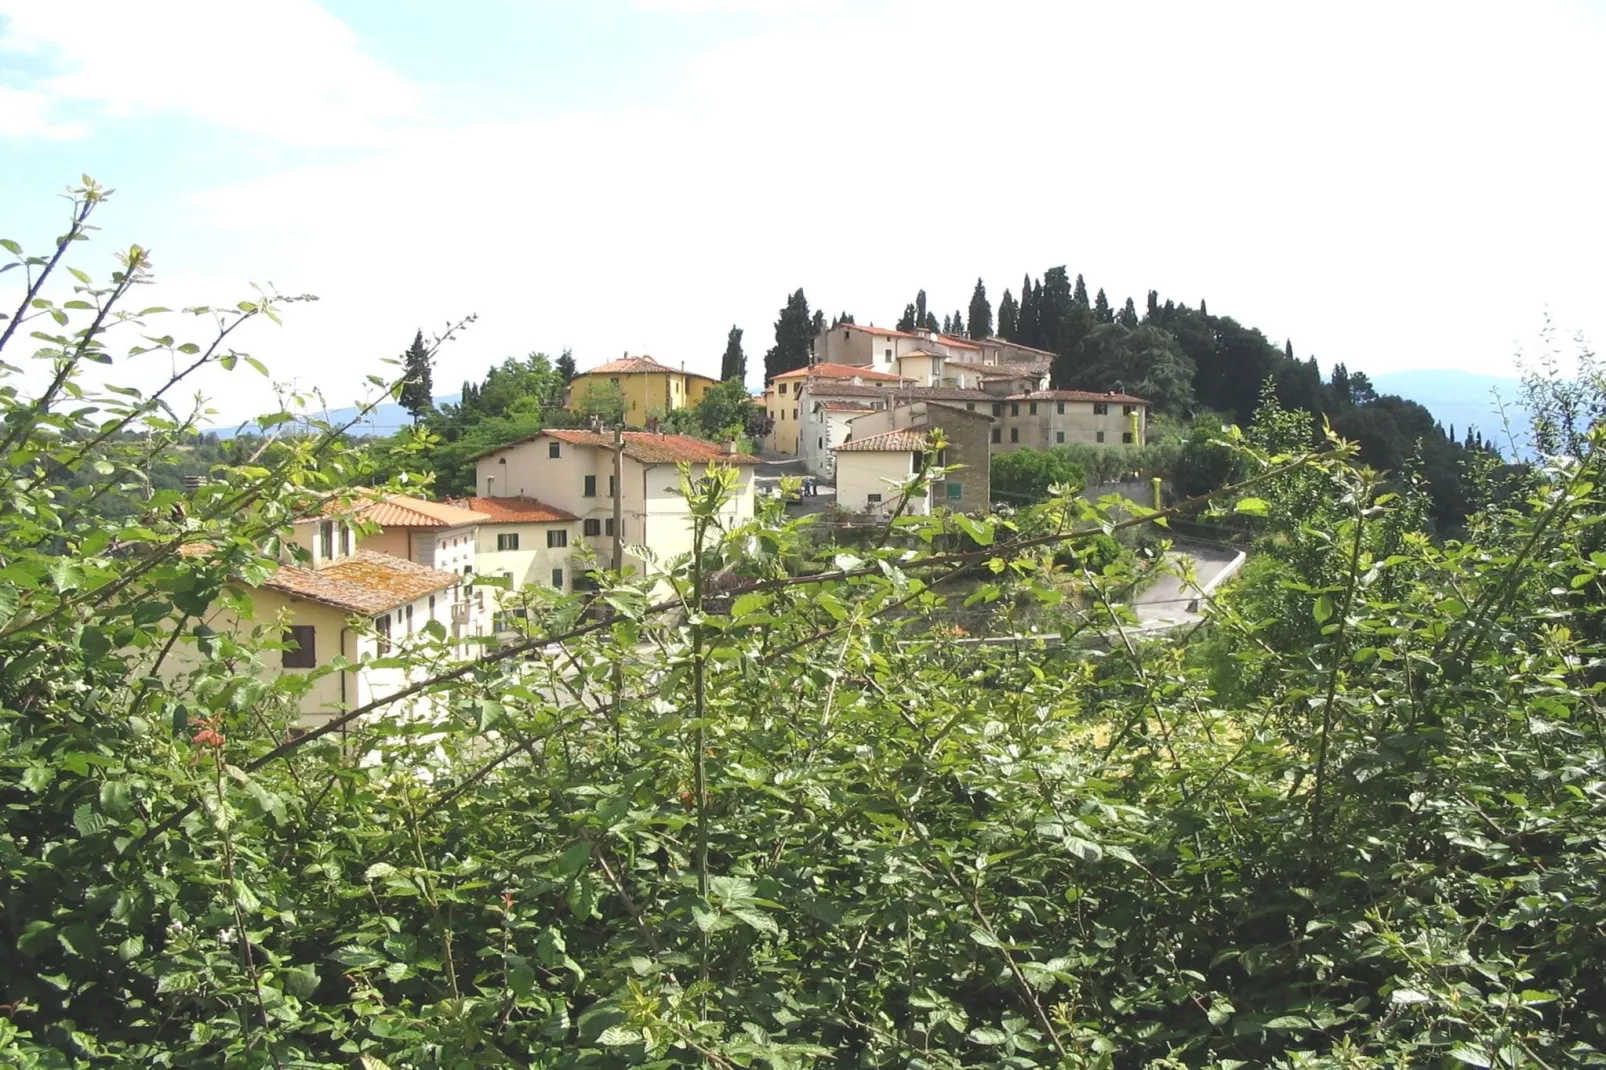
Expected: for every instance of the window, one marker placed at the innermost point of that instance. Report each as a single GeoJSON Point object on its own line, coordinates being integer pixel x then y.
{"type": "Point", "coordinates": [872, 498]}
{"type": "Point", "coordinates": [468, 570]}
{"type": "Point", "coordinates": [819, 443]}
{"type": "Point", "coordinates": [794, 414]}
{"type": "Point", "coordinates": [409, 619]}
{"type": "Point", "coordinates": [611, 487]}
{"type": "Point", "coordinates": [590, 490]}
{"type": "Point", "coordinates": [382, 628]}
{"type": "Point", "coordinates": [970, 406]}
{"type": "Point", "coordinates": [1126, 436]}
{"type": "Point", "coordinates": [431, 607]}
{"type": "Point", "coordinates": [556, 539]}
{"type": "Point", "coordinates": [889, 354]}
{"type": "Point", "coordinates": [1059, 436]}
{"type": "Point", "coordinates": [1100, 409]}
{"type": "Point", "coordinates": [1059, 408]}
{"type": "Point", "coordinates": [998, 408]}
{"type": "Point", "coordinates": [956, 492]}
{"type": "Point", "coordinates": [301, 651]}
{"type": "Point", "coordinates": [326, 539]}
{"type": "Point", "coordinates": [345, 540]}
{"type": "Point", "coordinates": [782, 389]}
{"type": "Point", "coordinates": [593, 527]}
{"type": "Point", "coordinates": [614, 380]}
{"type": "Point", "coordinates": [1033, 409]}
{"type": "Point", "coordinates": [998, 435]}
{"type": "Point", "coordinates": [1014, 434]}
{"type": "Point", "coordinates": [557, 578]}
{"type": "Point", "coordinates": [1014, 408]}
{"type": "Point", "coordinates": [1098, 436]}
{"type": "Point", "coordinates": [508, 542]}
{"type": "Point", "coordinates": [607, 527]}
{"type": "Point", "coordinates": [1128, 410]}
{"type": "Point", "coordinates": [553, 449]}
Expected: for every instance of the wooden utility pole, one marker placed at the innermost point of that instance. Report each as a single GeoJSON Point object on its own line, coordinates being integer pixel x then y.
{"type": "Point", "coordinates": [618, 498]}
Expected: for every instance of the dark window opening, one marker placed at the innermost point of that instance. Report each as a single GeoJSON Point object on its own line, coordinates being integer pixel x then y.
{"type": "Point", "coordinates": [301, 647]}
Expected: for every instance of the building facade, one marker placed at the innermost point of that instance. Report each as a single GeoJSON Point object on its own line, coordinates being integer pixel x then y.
{"type": "Point", "coordinates": [783, 398]}
{"type": "Point", "coordinates": [645, 388]}
{"type": "Point", "coordinates": [1046, 418]}
{"type": "Point", "coordinates": [965, 431]}
{"type": "Point", "coordinates": [525, 541]}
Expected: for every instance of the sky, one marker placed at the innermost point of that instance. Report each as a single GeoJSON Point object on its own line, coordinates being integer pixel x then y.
{"type": "Point", "coordinates": [1391, 185]}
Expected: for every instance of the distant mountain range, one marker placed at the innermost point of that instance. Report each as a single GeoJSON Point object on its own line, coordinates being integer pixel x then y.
{"type": "Point", "coordinates": [387, 419]}
{"type": "Point", "coordinates": [1462, 400]}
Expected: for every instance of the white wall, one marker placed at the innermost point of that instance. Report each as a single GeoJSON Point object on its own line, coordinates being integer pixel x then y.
{"type": "Point", "coordinates": [863, 473]}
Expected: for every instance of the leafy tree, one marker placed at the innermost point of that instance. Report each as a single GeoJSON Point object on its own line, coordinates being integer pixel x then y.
{"type": "Point", "coordinates": [600, 401]}
{"type": "Point", "coordinates": [1008, 318]}
{"type": "Point", "coordinates": [417, 391]}
{"type": "Point", "coordinates": [734, 363]}
{"type": "Point", "coordinates": [981, 312]}
{"type": "Point", "coordinates": [794, 338]}
{"type": "Point", "coordinates": [1147, 362]}
{"type": "Point", "coordinates": [1026, 475]}
{"type": "Point", "coordinates": [907, 321]}
{"type": "Point", "coordinates": [1128, 316]}
{"type": "Point", "coordinates": [1101, 309]}
{"type": "Point", "coordinates": [565, 365]}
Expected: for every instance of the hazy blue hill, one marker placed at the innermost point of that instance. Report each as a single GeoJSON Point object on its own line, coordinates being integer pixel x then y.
{"type": "Point", "coordinates": [1462, 399]}
{"type": "Point", "coordinates": [387, 419]}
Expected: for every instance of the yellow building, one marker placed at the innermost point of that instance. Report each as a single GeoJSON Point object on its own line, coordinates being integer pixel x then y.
{"type": "Point", "coordinates": [646, 387]}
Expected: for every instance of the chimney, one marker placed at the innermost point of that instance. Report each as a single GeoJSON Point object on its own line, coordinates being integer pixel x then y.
{"type": "Point", "coordinates": [730, 445]}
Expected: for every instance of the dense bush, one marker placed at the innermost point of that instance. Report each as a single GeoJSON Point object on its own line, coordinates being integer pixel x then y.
{"type": "Point", "coordinates": [814, 826]}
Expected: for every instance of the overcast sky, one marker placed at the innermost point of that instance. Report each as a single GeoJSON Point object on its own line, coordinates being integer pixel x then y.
{"type": "Point", "coordinates": [1394, 185]}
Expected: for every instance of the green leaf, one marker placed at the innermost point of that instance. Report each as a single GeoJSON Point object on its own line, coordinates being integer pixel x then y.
{"type": "Point", "coordinates": [378, 870]}
{"type": "Point", "coordinates": [10, 246]}
{"type": "Point", "coordinates": [1406, 997]}
{"type": "Point", "coordinates": [1290, 1021]}
{"type": "Point", "coordinates": [372, 1062]}
{"type": "Point", "coordinates": [757, 919]}
{"type": "Point", "coordinates": [1252, 507]}
{"type": "Point", "coordinates": [87, 821]}
{"type": "Point", "coordinates": [115, 798]}
{"type": "Point", "coordinates": [616, 1036]}
{"type": "Point", "coordinates": [1472, 1056]}
{"type": "Point", "coordinates": [1324, 608]}
{"type": "Point", "coordinates": [300, 981]}
{"type": "Point", "coordinates": [988, 1036]}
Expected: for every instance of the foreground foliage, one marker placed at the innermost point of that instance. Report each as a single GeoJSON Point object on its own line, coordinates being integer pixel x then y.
{"type": "Point", "coordinates": [787, 816]}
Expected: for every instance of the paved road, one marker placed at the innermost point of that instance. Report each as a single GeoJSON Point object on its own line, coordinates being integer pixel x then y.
{"type": "Point", "coordinates": [768, 478]}
{"type": "Point", "coordinates": [1168, 599]}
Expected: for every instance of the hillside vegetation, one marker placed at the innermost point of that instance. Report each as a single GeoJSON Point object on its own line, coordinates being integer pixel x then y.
{"type": "Point", "coordinates": [788, 817]}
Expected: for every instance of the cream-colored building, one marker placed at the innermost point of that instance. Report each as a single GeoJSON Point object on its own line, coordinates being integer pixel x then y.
{"type": "Point", "coordinates": [525, 541]}
{"type": "Point", "coordinates": [869, 471]}
{"type": "Point", "coordinates": [783, 398]}
{"type": "Point", "coordinates": [1046, 418]}
{"type": "Point", "coordinates": [436, 534]}
{"type": "Point", "coordinates": [861, 466]}
{"type": "Point", "coordinates": [573, 471]}
{"type": "Point", "coordinates": [335, 600]}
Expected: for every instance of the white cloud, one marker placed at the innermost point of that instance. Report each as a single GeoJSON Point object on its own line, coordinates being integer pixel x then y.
{"type": "Point", "coordinates": [1390, 185]}
{"type": "Point", "coordinates": [28, 113]}
{"type": "Point", "coordinates": [287, 71]}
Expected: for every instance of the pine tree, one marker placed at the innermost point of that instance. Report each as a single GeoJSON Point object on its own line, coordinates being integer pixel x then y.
{"type": "Point", "coordinates": [906, 322]}
{"type": "Point", "coordinates": [734, 364]}
{"type": "Point", "coordinates": [794, 338]}
{"type": "Point", "coordinates": [565, 365]}
{"type": "Point", "coordinates": [1128, 317]}
{"type": "Point", "coordinates": [981, 312]}
{"type": "Point", "coordinates": [417, 392]}
{"type": "Point", "coordinates": [1101, 308]}
{"type": "Point", "coordinates": [1081, 292]}
{"type": "Point", "coordinates": [1008, 318]}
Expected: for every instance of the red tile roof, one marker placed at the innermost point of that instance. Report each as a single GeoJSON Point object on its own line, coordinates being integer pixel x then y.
{"type": "Point", "coordinates": [649, 447]}
{"type": "Point", "coordinates": [885, 332]}
{"type": "Point", "coordinates": [847, 406]}
{"type": "Point", "coordinates": [957, 343]}
{"type": "Point", "coordinates": [638, 366]}
{"type": "Point", "coordinates": [401, 511]}
{"type": "Point", "coordinates": [1007, 344]}
{"type": "Point", "coordinates": [364, 583]}
{"type": "Point", "coordinates": [517, 511]}
{"type": "Point", "coordinates": [899, 441]}
{"type": "Point", "coordinates": [830, 370]}
{"type": "Point", "coordinates": [1076, 395]}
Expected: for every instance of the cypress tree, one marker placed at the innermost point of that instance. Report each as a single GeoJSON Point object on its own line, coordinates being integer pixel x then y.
{"type": "Point", "coordinates": [1028, 313]}
{"type": "Point", "coordinates": [734, 364]}
{"type": "Point", "coordinates": [1080, 292]}
{"type": "Point", "coordinates": [1154, 305]}
{"type": "Point", "coordinates": [906, 322]}
{"type": "Point", "coordinates": [794, 338]}
{"type": "Point", "coordinates": [1008, 318]}
{"type": "Point", "coordinates": [931, 321]}
{"type": "Point", "coordinates": [846, 317]}
{"type": "Point", "coordinates": [1203, 311]}
{"type": "Point", "coordinates": [1101, 308]}
{"type": "Point", "coordinates": [417, 392]}
{"type": "Point", "coordinates": [1129, 316]}
{"type": "Point", "coordinates": [921, 315]}
{"type": "Point", "coordinates": [1288, 348]}
{"type": "Point", "coordinates": [947, 325]}
{"type": "Point", "coordinates": [981, 312]}
{"type": "Point", "coordinates": [957, 324]}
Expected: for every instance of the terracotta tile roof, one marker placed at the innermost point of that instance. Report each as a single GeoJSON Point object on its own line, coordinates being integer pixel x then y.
{"type": "Point", "coordinates": [957, 343]}
{"type": "Point", "coordinates": [649, 447]}
{"type": "Point", "coordinates": [830, 370]}
{"type": "Point", "coordinates": [1076, 395]}
{"type": "Point", "coordinates": [364, 583]}
{"type": "Point", "coordinates": [943, 393]}
{"type": "Point", "coordinates": [1007, 344]}
{"type": "Point", "coordinates": [840, 388]}
{"type": "Point", "coordinates": [900, 441]}
{"type": "Point", "coordinates": [517, 511]}
{"type": "Point", "coordinates": [638, 366]}
{"type": "Point", "coordinates": [401, 511]}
